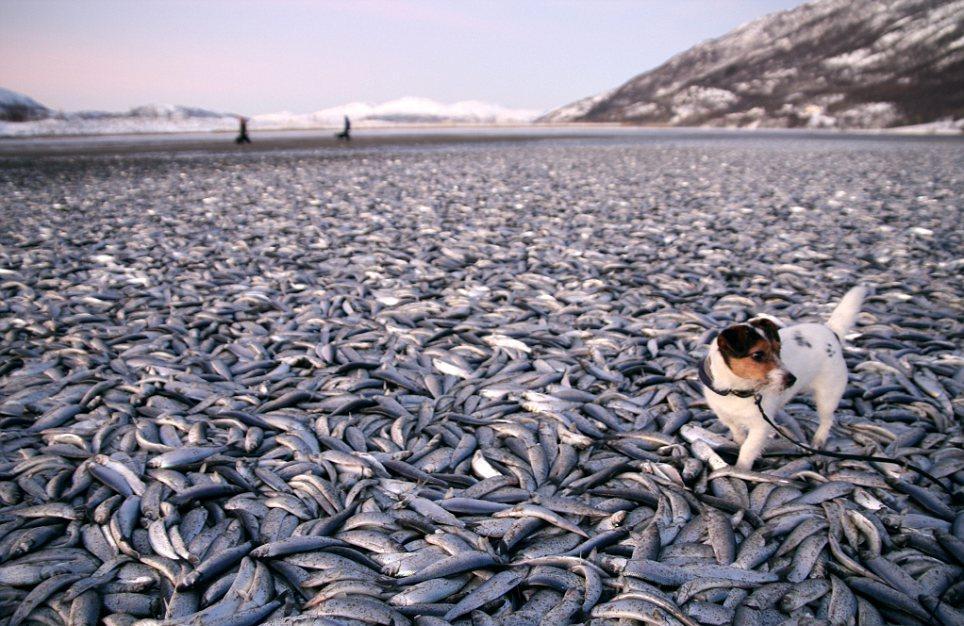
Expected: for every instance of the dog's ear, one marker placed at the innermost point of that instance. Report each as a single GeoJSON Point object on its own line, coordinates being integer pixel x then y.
{"type": "Point", "coordinates": [770, 330]}
{"type": "Point", "coordinates": [736, 341]}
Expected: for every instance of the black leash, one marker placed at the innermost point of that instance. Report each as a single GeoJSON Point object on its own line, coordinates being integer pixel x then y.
{"type": "Point", "coordinates": [757, 398]}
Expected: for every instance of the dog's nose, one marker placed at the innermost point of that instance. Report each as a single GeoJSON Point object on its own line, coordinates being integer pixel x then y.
{"type": "Point", "coordinates": [789, 379]}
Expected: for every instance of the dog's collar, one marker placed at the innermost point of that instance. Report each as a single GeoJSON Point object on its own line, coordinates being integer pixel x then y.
{"type": "Point", "coordinates": [707, 379]}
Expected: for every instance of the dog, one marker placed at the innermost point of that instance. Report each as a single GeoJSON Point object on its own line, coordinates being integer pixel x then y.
{"type": "Point", "coordinates": [762, 359]}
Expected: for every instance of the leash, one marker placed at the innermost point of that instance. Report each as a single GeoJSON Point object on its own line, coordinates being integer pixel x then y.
{"type": "Point", "coordinates": [757, 399]}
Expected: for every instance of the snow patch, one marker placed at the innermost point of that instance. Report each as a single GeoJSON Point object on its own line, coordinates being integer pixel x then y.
{"type": "Point", "coordinates": [849, 60]}
{"type": "Point", "coordinates": [641, 109]}
{"type": "Point", "coordinates": [817, 117]}
{"type": "Point", "coordinates": [698, 101]}
{"type": "Point", "coordinates": [869, 115]}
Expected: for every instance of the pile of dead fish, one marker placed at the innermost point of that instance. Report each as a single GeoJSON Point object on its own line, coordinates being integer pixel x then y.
{"type": "Point", "coordinates": [458, 386]}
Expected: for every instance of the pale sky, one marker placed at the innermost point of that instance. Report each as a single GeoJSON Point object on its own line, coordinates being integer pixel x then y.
{"type": "Point", "coordinates": [260, 56]}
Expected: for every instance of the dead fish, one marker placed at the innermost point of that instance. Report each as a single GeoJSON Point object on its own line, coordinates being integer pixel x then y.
{"type": "Point", "coordinates": [419, 385]}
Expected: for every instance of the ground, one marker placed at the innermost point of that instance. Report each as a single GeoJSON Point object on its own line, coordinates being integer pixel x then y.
{"type": "Point", "coordinates": [512, 301]}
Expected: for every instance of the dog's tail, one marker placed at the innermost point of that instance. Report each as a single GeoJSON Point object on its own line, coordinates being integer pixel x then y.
{"type": "Point", "coordinates": [843, 317]}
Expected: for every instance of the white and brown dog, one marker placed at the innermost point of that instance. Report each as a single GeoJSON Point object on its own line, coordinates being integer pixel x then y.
{"type": "Point", "coordinates": [760, 358]}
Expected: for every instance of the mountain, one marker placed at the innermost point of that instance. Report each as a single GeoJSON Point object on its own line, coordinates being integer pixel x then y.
{"type": "Point", "coordinates": [151, 118]}
{"type": "Point", "coordinates": [171, 112]}
{"type": "Point", "coordinates": [408, 110]}
{"type": "Point", "coordinates": [162, 118]}
{"type": "Point", "coordinates": [830, 63]}
{"type": "Point", "coordinates": [16, 107]}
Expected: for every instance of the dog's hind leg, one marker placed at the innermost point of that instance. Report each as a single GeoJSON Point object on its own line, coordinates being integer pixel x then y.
{"type": "Point", "coordinates": [826, 396]}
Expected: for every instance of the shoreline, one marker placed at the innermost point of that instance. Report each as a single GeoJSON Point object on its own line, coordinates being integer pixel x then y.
{"type": "Point", "coordinates": [222, 142]}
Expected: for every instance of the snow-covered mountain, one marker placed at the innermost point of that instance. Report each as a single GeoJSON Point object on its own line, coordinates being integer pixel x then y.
{"type": "Point", "coordinates": [830, 63]}
{"type": "Point", "coordinates": [171, 112]}
{"type": "Point", "coordinates": [408, 110]}
{"type": "Point", "coordinates": [16, 107]}
{"type": "Point", "coordinates": [161, 118]}
{"type": "Point", "coordinates": [151, 118]}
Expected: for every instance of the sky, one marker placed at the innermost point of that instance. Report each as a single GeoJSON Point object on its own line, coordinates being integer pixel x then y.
{"type": "Point", "coordinates": [260, 56]}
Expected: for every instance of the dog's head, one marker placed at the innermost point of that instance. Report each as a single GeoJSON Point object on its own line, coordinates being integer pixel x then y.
{"type": "Point", "coordinates": [752, 352]}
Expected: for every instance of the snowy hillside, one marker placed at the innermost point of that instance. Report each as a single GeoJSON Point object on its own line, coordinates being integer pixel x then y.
{"type": "Point", "coordinates": [826, 64]}
{"type": "Point", "coordinates": [162, 118]}
{"type": "Point", "coordinates": [16, 107]}
{"type": "Point", "coordinates": [576, 110]}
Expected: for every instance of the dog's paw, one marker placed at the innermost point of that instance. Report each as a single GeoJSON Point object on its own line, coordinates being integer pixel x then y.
{"type": "Point", "coordinates": [819, 438]}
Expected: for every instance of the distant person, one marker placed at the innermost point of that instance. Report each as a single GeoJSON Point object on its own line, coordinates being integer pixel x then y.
{"type": "Point", "coordinates": [242, 131]}
{"type": "Point", "coordinates": [345, 134]}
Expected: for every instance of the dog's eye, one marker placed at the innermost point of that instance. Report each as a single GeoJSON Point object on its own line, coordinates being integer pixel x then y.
{"type": "Point", "coordinates": [757, 356]}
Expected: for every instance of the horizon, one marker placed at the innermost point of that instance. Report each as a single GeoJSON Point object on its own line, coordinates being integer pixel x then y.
{"type": "Point", "coordinates": [527, 55]}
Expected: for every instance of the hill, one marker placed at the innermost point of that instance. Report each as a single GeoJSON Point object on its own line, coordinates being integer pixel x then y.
{"type": "Point", "coordinates": [831, 63]}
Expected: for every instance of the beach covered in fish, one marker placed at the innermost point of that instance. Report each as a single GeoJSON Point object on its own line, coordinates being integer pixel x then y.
{"type": "Point", "coordinates": [457, 384]}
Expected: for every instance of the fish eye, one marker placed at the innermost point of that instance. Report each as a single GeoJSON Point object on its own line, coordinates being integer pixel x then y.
{"type": "Point", "coordinates": [757, 356]}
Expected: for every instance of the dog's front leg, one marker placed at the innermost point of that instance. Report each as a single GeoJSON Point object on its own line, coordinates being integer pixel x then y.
{"type": "Point", "coordinates": [735, 424]}
{"type": "Point", "coordinates": [752, 447]}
